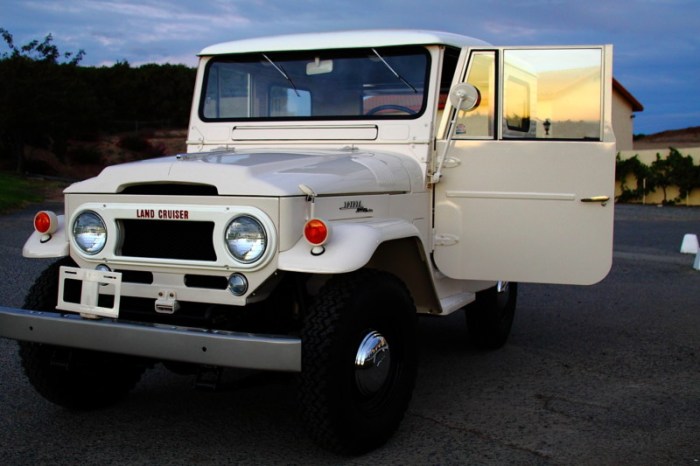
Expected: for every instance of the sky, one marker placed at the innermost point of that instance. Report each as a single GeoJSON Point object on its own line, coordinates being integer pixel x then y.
{"type": "Point", "coordinates": [656, 42]}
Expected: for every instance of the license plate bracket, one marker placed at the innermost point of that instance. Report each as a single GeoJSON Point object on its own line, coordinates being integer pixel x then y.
{"type": "Point", "coordinates": [93, 284]}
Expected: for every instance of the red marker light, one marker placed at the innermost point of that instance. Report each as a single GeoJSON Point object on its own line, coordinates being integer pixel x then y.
{"type": "Point", "coordinates": [316, 232]}
{"type": "Point", "coordinates": [45, 222]}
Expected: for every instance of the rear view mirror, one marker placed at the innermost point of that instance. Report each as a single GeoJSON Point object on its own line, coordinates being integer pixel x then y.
{"type": "Point", "coordinates": [319, 67]}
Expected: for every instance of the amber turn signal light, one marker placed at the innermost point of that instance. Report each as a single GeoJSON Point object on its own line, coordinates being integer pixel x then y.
{"type": "Point", "coordinates": [316, 232]}
{"type": "Point", "coordinates": [45, 222]}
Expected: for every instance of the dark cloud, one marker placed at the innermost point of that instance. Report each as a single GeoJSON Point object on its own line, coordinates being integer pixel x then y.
{"type": "Point", "coordinates": [656, 41]}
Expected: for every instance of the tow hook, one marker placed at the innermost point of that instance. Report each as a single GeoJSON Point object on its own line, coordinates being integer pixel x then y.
{"type": "Point", "coordinates": [167, 302]}
{"type": "Point", "coordinates": [208, 378]}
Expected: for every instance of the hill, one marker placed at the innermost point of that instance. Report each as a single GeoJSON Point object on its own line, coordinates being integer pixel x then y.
{"type": "Point", "coordinates": [84, 159]}
{"type": "Point", "coordinates": [688, 137]}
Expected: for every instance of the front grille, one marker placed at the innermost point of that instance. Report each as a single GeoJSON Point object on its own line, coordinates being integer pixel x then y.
{"type": "Point", "coordinates": [165, 239]}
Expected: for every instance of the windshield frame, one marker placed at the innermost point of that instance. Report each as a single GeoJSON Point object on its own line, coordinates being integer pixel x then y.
{"type": "Point", "coordinates": [394, 76]}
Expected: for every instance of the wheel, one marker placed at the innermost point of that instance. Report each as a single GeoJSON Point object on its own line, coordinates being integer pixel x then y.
{"type": "Point", "coordinates": [70, 377]}
{"type": "Point", "coordinates": [398, 108]}
{"type": "Point", "coordinates": [490, 317]}
{"type": "Point", "coordinates": [358, 361]}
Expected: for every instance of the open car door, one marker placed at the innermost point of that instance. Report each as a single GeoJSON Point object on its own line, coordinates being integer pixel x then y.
{"type": "Point", "coordinates": [526, 177]}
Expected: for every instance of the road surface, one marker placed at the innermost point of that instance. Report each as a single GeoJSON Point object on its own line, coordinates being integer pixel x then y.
{"type": "Point", "coordinates": [606, 374]}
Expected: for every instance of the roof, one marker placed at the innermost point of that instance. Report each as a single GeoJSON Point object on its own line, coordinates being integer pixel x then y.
{"type": "Point", "coordinates": [627, 95]}
{"type": "Point", "coordinates": [344, 39]}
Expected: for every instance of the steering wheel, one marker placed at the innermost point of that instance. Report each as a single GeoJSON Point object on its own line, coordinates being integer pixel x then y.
{"type": "Point", "coordinates": [399, 108]}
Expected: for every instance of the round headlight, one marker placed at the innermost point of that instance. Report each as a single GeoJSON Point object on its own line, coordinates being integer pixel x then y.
{"type": "Point", "coordinates": [90, 232]}
{"type": "Point", "coordinates": [246, 239]}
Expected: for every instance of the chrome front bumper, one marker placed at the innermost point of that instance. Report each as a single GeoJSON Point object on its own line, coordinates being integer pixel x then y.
{"type": "Point", "coordinates": [156, 341]}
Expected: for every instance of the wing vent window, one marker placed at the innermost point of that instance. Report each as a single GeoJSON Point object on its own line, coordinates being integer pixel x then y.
{"type": "Point", "coordinates": [478, 123]}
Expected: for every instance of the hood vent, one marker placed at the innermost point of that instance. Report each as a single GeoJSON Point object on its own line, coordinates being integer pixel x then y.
{"type": "Point", "coordinates": [172, 189]}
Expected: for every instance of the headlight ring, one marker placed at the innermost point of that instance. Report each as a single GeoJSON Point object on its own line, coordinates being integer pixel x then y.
{"type": "Point", "coordinates": [246, 239]}
{"type": "Point", "coordinates": [89, 232]}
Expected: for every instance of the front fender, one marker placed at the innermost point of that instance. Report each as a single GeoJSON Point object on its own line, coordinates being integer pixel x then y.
{"type": "Point", "coordinates": [39, 247]}
{"type": "Point", "coordinates": [350, 247]}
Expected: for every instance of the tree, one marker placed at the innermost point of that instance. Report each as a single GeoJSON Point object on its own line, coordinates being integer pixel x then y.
{"type": "Point", "coordinates": [661, 171]}
{"type": "Point", "coordinates": [44, 51]}
{"type": "Point", "coordinates": [634, 168]}
{"type": "Point", "coordinates": [47, 100]}
{"type": "Point", "coordinates": [40, 98]}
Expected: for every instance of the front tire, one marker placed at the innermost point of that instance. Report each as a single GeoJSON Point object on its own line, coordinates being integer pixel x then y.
{"type": "Point", "coordinates": [358, 361]}
{"type": "Point", "coordinates": [70, 377]}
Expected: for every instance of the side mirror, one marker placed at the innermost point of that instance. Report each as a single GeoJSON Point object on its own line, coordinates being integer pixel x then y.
{"type": "Point", "coordinates": [465, 96]}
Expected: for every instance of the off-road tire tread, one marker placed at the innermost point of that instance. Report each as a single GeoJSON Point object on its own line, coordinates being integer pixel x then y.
{"type": "Point", "coordinates": [324, 320]}
{"type": "Point", "coordinates": [105, 380]}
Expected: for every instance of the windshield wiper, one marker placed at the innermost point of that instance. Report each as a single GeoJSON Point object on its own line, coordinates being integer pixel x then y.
{"type": "Point", "coordinates": [394, 72]}
{"type": "Point", "coordinates": [282, 72]}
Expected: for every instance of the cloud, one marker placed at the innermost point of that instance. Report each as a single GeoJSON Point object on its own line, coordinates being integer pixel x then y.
{"type": "Point", "coordinates": [656, 41]}
{"type": "Point", "coordinates": [148, 21]}
{"type": "Point", "coordinates": [509, 30]}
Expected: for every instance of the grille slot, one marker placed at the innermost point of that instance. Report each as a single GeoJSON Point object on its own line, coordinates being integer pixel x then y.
{"type": "Point", "coordinates": [207, 282]}
{"type": "Point", "coordinates": [136, 276]}
{"type": "Point", "coordinates": [166, 239]}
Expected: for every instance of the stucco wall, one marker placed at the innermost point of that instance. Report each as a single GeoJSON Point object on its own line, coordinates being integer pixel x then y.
{"type": "Point", "coordinates": [623, 123]}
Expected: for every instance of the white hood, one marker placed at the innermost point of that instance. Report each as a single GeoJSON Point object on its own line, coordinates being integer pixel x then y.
{"type": "Point", "coordinates": [268, 173]}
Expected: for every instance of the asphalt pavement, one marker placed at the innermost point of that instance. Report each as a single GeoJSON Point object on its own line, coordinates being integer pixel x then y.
{"type": "Point", "coordinates": [604, 374]}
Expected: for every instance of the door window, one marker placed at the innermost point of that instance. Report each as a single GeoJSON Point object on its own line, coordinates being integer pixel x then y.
{"type": "Point", "coordinates": [536, 94]}
{"type": "Point", "coordinates": [552, 94]}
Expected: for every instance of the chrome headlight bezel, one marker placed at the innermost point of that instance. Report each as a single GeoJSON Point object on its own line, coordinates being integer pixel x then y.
{"type": "Point", "coordinates": [91, 224]}
{"type": "Point", "coordinates": [240, 232]}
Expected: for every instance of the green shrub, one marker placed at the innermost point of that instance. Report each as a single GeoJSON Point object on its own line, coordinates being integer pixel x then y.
{"type": "Point", "coordinates": [16, 192]}
{"type": "Point", "coordinates": [673, 170]}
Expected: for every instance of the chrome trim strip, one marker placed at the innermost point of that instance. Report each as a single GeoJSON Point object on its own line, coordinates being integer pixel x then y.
{"type": "Point", "coordinates": [511, 195]}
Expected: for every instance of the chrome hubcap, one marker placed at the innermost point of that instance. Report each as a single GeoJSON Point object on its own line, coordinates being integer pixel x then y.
{"type": "Point", "coordinates": [372, 363]}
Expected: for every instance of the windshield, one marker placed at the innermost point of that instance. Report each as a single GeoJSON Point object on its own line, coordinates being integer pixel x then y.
{"type": "Point", "coordinates": [389, 82]}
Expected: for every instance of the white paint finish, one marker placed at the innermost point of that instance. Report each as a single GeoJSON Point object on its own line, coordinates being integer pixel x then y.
{"type": "Point", "coordinates": [268, 173]}
{"type": "Point", "coordinates": [350, 247]}
{"type": "Point", "coordinates": [358, 132]}
{"type": "Point", "coordinates": [514, 209]}
{"type": "Point", "coordinates": [220, 216]}
{"type": "Point", "coordinates": [57, 246]}
{"type": "Point", "coordinates": [339, 40]}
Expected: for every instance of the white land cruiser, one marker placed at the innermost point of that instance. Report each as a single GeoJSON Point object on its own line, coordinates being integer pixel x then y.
{"type": "Point", "coordinates": [335, 186]}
